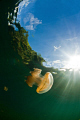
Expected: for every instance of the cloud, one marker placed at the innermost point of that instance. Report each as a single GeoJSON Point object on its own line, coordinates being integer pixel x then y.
{"type": "Point", "coordinates": [31, 21]}
{"type": "Point", "coordinates": [70, 39]}
{"type": "Point", "coordinates": [55, 48]}
{"type": "Point", "coordinates": [60, 64]}
{"type": "Point", "coordinates": [29, 27]}
{"type": "Point", "coordinates": [22, 4]}
{"type": "Point", "coordinates": [25, 20]}
{"type": "Point", "coordinates": [55, 64]}
{"type": "Point", "coordinates": [56, 61]}
{"type": "Point", "coordinates": [62, 69]}
{"type": "Point", "coordinates": [47, 64]}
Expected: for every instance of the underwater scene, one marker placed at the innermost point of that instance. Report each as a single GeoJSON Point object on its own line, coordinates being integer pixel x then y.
{"type": "Point", "coordinates": [39, 60]}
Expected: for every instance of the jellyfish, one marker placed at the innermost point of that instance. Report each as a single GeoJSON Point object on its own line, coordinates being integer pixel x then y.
{"type": "Point", "coordinates": [5, 88]}
{"type": "Point", "coordinates": [43, 83]}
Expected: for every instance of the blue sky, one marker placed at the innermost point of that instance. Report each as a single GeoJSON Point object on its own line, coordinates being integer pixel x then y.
{"type": "Point", "coordinates": [54, 28]}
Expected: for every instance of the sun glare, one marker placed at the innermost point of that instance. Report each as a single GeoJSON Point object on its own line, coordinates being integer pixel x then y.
{"type": "Point", "coordinates": [74, 62]}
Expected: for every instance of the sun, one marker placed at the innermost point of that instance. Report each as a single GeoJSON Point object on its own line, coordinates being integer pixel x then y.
{"type": "Point", "coordinates": [74, 62]}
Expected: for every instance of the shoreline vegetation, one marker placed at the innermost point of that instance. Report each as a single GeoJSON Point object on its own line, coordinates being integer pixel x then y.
{"type": "Point", "coordinates": [19, 45]}
{"type": "Point", "coordinates": [19, 41]}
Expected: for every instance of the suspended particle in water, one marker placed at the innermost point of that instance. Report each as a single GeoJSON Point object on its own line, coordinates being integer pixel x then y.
{"type": "Point", "coordinates": [5, 88]}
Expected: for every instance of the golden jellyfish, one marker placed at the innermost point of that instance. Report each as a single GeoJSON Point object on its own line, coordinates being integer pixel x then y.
{"type": "Point", "coordinates": [44, 83]}
{"type": "Point", "coordinates": [5, 88]}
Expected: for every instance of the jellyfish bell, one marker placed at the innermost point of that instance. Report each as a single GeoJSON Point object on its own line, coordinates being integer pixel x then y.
{"type": "Point", "coordinates": [44, 83]}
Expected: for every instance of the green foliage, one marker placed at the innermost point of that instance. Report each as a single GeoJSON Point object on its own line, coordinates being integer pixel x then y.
{"type": "Point", "coordinates": [21, 45]}
{"type": "Point", "coordinates": [30, 57]}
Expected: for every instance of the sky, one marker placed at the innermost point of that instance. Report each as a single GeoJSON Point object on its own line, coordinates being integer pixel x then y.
{"type": "Point", "coordinates": [54, 28]}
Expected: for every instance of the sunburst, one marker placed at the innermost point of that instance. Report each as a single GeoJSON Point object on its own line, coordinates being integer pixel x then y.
{"type": "Point", "coordinates": [74, 62]}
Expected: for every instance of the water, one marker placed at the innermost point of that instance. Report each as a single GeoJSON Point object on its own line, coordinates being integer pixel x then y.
{"type": "Point", "coordinates": [21, 102]}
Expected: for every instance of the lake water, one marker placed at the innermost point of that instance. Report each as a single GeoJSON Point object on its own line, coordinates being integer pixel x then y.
{"type": "Point", "coordinates": [19, 101]}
